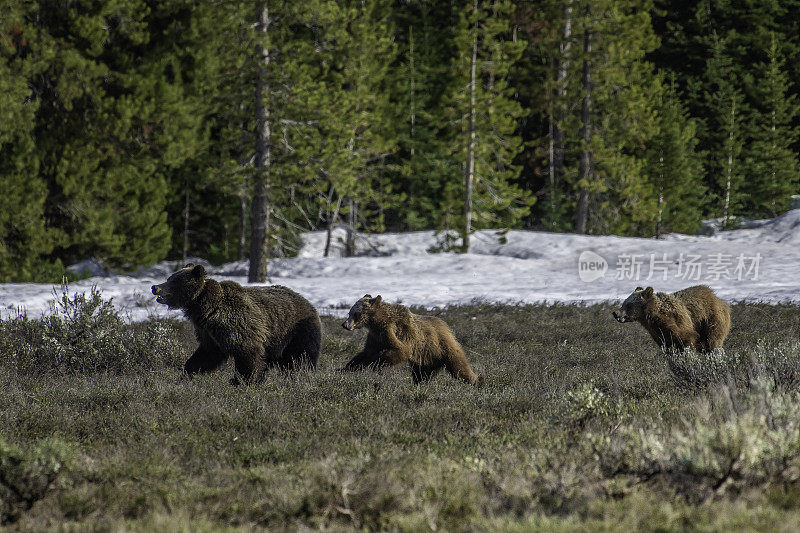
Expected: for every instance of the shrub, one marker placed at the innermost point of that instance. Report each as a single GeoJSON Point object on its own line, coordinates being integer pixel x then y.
{"type": "Point", "coordinates": [585, 403]}
{"type": "Point", "coordinates": [692, 369]}
{"type": "Point", "coordinates": [778, 363]}
{"type": "Point", "coordinates": [729, 440]}
{"type": "Point", "coordinates": [84, 334]}
{"type": "Point", "coordinates": [28, 474]}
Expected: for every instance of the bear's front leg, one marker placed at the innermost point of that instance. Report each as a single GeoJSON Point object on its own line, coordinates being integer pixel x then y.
{"type": "Point", "coordinates": [394, 356]}
{"type": "Point", "coordinates": [363, 360]}
{"type": "Point", "coordinates": [204, 359]}
{"type": "Point", "coordinates": [249, 364]}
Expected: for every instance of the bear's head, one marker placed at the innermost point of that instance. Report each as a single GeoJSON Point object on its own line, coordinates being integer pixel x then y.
{"type": "Point", "coordinates": [181, 287]}
{"type": "Point", "coordinates": [633, 308]}
{"type": "Point", "coordinates": [360, 312]}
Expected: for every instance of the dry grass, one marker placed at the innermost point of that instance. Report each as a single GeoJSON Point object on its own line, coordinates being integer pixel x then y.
{"type": "Point", "coordinates": [582, 424]}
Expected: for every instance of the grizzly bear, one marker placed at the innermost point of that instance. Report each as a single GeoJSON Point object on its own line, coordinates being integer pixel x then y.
{"type": "Point", "coordinates": [259, 327]}
{"type": "Point", "coordinates": [396, 335]}
{"type": "Point", "coordinates": [691, 318]}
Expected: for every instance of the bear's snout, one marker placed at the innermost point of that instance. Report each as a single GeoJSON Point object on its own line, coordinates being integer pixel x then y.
{"type": "Point", "coordinates": [620, 317]}
{"type": "Point", "coordinates": [348, 325]}
{"type": "Point", "coordinates": [161, 294]}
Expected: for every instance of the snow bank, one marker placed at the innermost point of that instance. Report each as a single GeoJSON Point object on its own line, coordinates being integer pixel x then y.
{"type": "Point", "coordinates": [756, 263]}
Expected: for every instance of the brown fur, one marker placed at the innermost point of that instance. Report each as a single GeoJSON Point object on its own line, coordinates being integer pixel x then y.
{"type": "Point", "coordinates": [691, 318]}
{"type": "Point", "coordinates": [396, 335]}
{"type": "Point", "coordinates": [257, 326]}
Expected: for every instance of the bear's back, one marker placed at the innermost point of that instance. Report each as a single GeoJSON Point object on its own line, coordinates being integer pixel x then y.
{"type": "Point", "coordinates": [700, 301]}
{"type": "Point", "coordinates": [280, 301]}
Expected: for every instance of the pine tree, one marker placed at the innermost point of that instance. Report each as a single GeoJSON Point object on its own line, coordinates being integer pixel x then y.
{"type": "Point", "coordinates": [674, 167]}
{"type": "Point", "coordinates": [605, 139]}
{"type": "Point", "coordinates": [689, 31]}
{"type": "Point", "coordinates": [485, 115]}
{"type": "Point", "coordinates": [24, 239]}
{"type": "Point", "coordinates": [352, 113]}
{"type": "Point", "coordinates": [116, 86]}
{"type": "Point", "coordinates": [541, 81]}
{"type": "Point", "coordinates": [421, 168]}
{"type": "Point", "coordinates": [726, 121]}
{"type": "Point", "coordinates": [773, 167]}
{"type": "Point", "coordinates": [207, 189]}
{"type": "Point", "coordinates": [557, 117]}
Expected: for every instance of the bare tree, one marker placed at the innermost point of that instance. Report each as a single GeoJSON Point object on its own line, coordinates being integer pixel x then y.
{"type": "Point", "coordinates": [259, 237]}
{"type": "Point", "coordinates": [469, 178]}
{"type": "Point", "coordinates": [242, 225]}
{"type": "Point", "coordinates": [585, 169]}
{"type": "Point", "coordinates": [186, 223]}
{"type": "Point", "coordinates": [557, 137]}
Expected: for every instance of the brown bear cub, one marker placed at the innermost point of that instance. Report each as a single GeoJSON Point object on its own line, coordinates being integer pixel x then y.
{"type": "Point", "coordinates": [259, 327]}
{"type": "Point", "coordinates": [396, 335]}
{"type": "Point", "coordinates": [691, 318]}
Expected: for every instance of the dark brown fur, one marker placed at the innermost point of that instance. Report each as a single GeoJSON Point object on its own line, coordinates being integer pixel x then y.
{"type": "Point", "coordinates": [257, 326]}
{"type": "Point", "coordinates": [691, 318]}
{"type": "Point", "coordinates": [396, 335]}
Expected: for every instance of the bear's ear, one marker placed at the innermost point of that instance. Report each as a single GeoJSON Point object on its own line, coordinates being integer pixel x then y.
{"type": "Point", "coordinates": [648, 292]}
{"type": "Point", "coordinates": [198, 272]}
{"type": "Point", "coordinates": [377, 299]}
{"type": "Point", "coordinates": [367, 296]}
{"type": "Point", "coordinates": [187, 266]}
{"type": "Point", "coordinates": [639, 289]}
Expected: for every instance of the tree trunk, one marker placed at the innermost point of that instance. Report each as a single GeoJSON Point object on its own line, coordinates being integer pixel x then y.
{"type": "Point", "coordinates": [350, 239]}
{"type": "Point", "coordinates": [259, 242]}
{"type": "Point", "coordinates": [242, 227]}
{"type": "Point", "coordinates": [551, 167]}
{"type": "Point", "coordinates": [469, 179]}
{"type": "Point", "coordinates": [729, 168]}
{"type": "Point", "coordinates": [660, 217]}
{"type": "Point", "coordinates": [557, 138]}
{"type": "Point", "coordinates": [331, 223]}
{"type": "Point", "coordinates": [412, 84]}
{"type": "Point", "coordinates": [186, 226]}
{"type": "Point", "coordinates": [585, 163]}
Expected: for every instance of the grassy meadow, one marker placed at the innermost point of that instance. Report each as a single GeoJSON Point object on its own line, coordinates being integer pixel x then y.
{"type": "Point", "coordinates": [582, 425]}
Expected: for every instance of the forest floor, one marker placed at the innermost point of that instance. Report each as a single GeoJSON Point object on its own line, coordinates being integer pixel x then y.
{"type": "Point", "coordinates": [582, 425]}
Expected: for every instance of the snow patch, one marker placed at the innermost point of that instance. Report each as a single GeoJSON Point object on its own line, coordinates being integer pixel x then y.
{"type": "Point", "coordinates": [524, 267]}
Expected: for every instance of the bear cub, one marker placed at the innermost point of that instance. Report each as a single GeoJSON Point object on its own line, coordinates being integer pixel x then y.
{"type": "Point", "coordinates": [259, 327]}
{"type": "Point", "coordinates": [396, 335]}
{"type": "Point", "coordinates": [691, 318]}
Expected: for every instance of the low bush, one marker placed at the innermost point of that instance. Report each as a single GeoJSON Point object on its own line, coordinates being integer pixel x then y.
{"type": "Point", "coordinates": [85, 334]}
{"type": "Point", "coordinates": [727, 441]}
{"type": "Point", "coordinates": [28, 474]}
{"type": "Point", "coordinates": [778, 363]}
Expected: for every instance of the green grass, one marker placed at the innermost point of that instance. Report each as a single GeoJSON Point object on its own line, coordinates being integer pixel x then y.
{"type": "Point", "coordinates": [582, 425]}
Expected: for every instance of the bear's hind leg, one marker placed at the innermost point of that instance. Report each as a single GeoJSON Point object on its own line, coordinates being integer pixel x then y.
{"type": "Point", "coordinates": [302, 350]}
{"type": "Point", "coordinates": [704, 342]}
{"type": "Point", "coordinates": [459, 368]}
{"type": "Point", "coordinates": [420, 373]}
{"type": "Point", "coordinates": [716, 334]}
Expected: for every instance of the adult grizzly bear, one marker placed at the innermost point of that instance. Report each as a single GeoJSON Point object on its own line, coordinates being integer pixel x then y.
{"type": "Point", "coordinates": [396, 335]}
{"type": "Point", "coordinates": [691, 318]}
{"type": "Point", "coordinates": [257, 326]}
